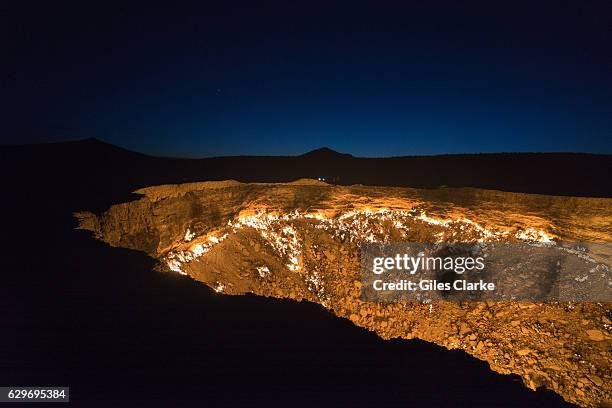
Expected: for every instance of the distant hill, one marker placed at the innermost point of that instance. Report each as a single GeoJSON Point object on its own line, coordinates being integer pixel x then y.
{"type": "Point", "coordinates": [92, 171]}
{"type": "Point", "coordinates": [324, 153]}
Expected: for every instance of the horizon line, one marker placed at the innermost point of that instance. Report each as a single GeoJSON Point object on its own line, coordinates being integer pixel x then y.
{"type": "Point", "coordinates": [322, 148]}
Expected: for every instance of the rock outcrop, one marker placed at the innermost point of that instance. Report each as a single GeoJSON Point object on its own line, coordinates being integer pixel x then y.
{"type": "Point", "coordinates": [301, 241]}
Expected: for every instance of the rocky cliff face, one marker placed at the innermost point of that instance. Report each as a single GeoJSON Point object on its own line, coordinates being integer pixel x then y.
{"type": "Point", "coordinates": [301, 241]}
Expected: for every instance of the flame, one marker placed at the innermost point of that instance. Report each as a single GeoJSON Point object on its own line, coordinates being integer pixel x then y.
{"type": "Point", "coordinates": [356, 226]}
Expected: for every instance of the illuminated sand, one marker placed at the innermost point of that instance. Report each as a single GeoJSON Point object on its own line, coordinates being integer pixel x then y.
{"type": "Point", "coordinates": [301, 241]}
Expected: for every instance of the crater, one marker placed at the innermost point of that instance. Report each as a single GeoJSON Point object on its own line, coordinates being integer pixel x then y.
{"type": "Point", "coordinates": [301, 241]}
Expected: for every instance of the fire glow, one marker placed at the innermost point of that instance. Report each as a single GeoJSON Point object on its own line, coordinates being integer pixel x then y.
{"type": "Point", "coordinates": [281, 232]}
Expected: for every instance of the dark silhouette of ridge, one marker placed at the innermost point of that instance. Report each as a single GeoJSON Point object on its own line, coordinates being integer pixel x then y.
{"type": "Point", "coordinates": [94, 174]}
{"type": "Point", "coordinates": [90, 145]}
{"type": "Point", "coordinates": [325, 153]}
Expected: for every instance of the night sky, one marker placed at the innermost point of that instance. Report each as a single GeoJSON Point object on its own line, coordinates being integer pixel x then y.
{"type": "Point", "coordinates": [371, 79]}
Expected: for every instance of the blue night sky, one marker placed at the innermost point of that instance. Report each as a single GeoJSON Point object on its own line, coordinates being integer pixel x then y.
{"type": "Point", "coordinates": [371, 79]}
